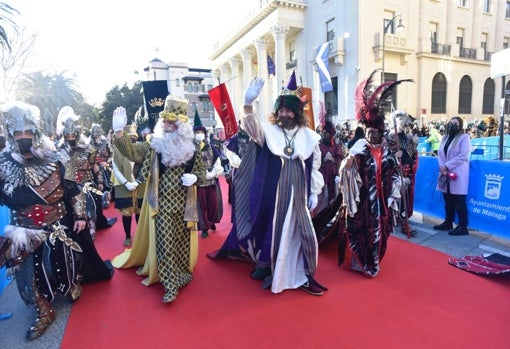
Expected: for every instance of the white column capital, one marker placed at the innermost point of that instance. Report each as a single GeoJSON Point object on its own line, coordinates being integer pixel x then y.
{"type": "Point", "coordinates": [279, 31]}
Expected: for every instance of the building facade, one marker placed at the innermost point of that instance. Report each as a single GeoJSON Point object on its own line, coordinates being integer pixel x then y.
{"type": "Point", "coordinates": [445, 46]}
{"type": "Point", "coordinates": [189, 83]}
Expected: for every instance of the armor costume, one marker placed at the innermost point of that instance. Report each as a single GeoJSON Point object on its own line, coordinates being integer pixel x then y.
{"type": "Point", "coordinates": [43, 254]}
{"type": "Point", "coordinates": [81, 167]}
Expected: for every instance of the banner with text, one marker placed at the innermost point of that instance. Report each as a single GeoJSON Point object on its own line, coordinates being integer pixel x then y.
{"type": "Point", "coordinates": [154, 94]}
{"type": "Point", "coordinates": [221, 102]}
{"type": "Point", "coordinates": [488, 200]}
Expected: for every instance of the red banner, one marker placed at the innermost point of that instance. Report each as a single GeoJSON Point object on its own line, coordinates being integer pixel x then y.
{"type": "Point", "coordinates": [221, 101]}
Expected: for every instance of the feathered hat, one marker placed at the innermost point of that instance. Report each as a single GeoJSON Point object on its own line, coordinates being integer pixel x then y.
{"type": "Point", "coordinates": [372, 102]}
{"type": "Point", "coordinates": [197, 123]}
{"type": "Point", "coordinates": [176, 109]}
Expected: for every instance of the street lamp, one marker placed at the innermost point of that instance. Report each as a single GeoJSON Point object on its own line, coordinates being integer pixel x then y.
{"type": "Point", "coordinates": [386, 26]}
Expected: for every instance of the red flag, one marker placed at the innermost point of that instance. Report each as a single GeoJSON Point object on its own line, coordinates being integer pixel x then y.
{"type": "Point", "coordinates": [221, 102]}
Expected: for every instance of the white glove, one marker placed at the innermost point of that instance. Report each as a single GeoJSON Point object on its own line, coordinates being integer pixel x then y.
{"type": "Point", "coordinates": [188, 179]}
{"type": "Point", "coordinates": [209, 175]}
{"type": "Point", "coordinates": [253, 91]}
{"type": "Point", "coordinates": [131, 185]}
{"type": "Point", "coordinates": [119, 119]}
{"type": "Point", "coordinates": [358, 147]}
{"type": "Point", "coordinates": [337, 180]}
{"type": "Point", "coordinates": [313, 200]}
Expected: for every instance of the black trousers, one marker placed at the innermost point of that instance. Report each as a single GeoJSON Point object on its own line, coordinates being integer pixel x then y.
{"type": "Point", "coordinates": [454, 203]}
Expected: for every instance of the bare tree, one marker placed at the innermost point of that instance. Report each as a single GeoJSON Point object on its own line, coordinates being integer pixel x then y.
{"type": "Point", "coordinates": [13, 61]}
{"type": "Point", "coordinates": [6, 14]}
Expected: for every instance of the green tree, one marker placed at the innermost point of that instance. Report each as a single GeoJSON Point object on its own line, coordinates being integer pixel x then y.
{"type": "Point", "coordinates": [50, 92]}
{"type": "Point", "coordinates": [129, 98]}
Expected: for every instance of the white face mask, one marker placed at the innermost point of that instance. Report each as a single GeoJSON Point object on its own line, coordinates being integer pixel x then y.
{"type": "Point", "coordinates": [200, 137]}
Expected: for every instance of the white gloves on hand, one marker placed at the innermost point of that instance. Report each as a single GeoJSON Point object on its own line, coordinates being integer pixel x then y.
{"type": "Point", "coordinates": [119, 119]}
{"type": "Point", "coordinates": [188, 179]}
{"type": "Point", "coordinates": [209, 175]}
{"type": "Point", "coordinates": [313, 200]}
{"type": "Point", "coordinates": [337, 180]}
{"type": "Point", "coordinates": [358, 147]}
{"type": "Point", "coordinates": [253, 91]}
{"type": "Point", "coordinates": [131, 185]}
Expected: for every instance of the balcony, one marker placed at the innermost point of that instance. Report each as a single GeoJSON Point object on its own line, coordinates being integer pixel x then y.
{"type": "Point", "coordinates": [440, 49]}
{"type": "Point", "coordinates": [392, 43]}
{"type": "Point", "coordinates": [336, 50]}
{"type": "Point", "coordinates": [467, 53]}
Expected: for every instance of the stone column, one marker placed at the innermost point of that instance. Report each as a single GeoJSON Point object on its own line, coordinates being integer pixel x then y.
{"type": "Point", "coordinates": [235, 82]}
{"type": "Point", "coordinates": [247, 55]}
{"type": "Point", "coordinates": [264, 100]}
{"type": "Point", "coordinates": [279, 32]}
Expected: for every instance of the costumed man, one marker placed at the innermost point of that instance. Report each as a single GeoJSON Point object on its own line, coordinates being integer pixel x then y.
{"type": "Point", "coordinates": [283, 188]}
{"type": "Point", "coordinates": [330, 199]}
{"type": "Point", "coordinates": [369, 182]}
{"type": "Point", "coordinates": [104, 154]}
{"type": "Point", "coordinates": [405, 147]}
{"type": "Point", "coordinates": [82, 167]}
{"type": "Point", "coordinates": [128, 190]}
{"type": "Point", "coordinates": [172, 166]}
{"type": "Point", "coordinates": [45, 211]}
{"type": "Point", "coordinates": [210, 204]}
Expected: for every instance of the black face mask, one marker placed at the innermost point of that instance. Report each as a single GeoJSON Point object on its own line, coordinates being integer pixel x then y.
{"type": "Point", "coordinates": [454, 129]}
{"type": "Point", "coordinates": [24, 145]}
{"type": "Point", "coordinates": [72, 143]}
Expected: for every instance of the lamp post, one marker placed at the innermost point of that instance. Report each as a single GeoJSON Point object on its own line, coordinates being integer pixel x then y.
{"type": "Point", "coordinates": [386, 26]}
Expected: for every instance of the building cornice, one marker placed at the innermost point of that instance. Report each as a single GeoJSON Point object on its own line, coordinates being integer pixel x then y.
{"type": "Point", "coordinates": [251, 20]}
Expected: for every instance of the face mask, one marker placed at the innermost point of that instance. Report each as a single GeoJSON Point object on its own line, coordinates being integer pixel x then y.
{"type": "Point", "coordinates": [24, 145]}
{"type": "Point", "coordinates": [200, 137]}
{"type": "Point", "coordinates": [72, 143]}
{"type": "Point", "coordinates": [454, 129]}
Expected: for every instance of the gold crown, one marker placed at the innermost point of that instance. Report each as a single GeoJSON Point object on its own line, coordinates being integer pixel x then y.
{"type": "Point", "coordinates": [175, 109]}
{"type": "Point", "coordinates": [156, 102]}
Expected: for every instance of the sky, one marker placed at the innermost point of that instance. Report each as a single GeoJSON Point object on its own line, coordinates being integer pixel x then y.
{"type": "Point", "coordinates": [103, 42]}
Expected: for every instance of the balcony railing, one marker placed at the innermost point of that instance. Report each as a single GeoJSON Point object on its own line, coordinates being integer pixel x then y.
{"type": "Point", "coordinates": [487, 56]}
{"type": "Point", "coordinates": [441, 49]}
{"type": "Point", "coordinates": [467, 53]}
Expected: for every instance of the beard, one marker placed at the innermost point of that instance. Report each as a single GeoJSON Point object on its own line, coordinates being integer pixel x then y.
{"type": "Point", "coordinates": [176, 147]}
{"type": "Point", "coordinates": [285, 122]}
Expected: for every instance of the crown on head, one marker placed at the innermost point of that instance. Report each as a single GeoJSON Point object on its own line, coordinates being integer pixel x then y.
{"type": "Point", "coordinates": [176, 109]}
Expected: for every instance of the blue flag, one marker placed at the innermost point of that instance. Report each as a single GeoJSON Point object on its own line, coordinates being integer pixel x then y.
{"type": "Point", "coordinates": [271, 68]}
{"type": "Point", "coordinates": [323, 65]}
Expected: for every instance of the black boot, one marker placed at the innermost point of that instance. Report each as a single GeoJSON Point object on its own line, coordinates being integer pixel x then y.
{"type": "Point", "coordinates": [45, 316]}
{"type": "Point", "coordinates": [459, 230]}
{"type": "Point", "coordinates": [444, 226]}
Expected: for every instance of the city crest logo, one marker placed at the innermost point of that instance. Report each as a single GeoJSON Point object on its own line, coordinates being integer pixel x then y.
{"type": "Point", "coordinates": [493, 186]}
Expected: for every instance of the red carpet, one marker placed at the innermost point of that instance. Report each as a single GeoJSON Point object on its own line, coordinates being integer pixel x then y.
{"type": "Point", "coordinates": [417, 301]}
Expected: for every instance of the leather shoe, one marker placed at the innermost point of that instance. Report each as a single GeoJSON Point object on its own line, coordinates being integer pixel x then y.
{"type": "Point", "coordinates": [444, 226]}
{"type": "Point", "coordinates": [311, 289]}
{"type": "Point", "coordinates": [205, 234]}
{"type": "Point", "coordinates": [459, 230]}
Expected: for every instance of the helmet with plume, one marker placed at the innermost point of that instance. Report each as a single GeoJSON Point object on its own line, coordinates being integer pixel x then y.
{"type": "Point", "coordinates": [67, 122]}
{"type": "Point", "coordinates": [373, 102]}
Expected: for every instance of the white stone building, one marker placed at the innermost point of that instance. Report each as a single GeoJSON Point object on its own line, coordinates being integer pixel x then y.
{"type": "Point", "coordinates": [445, 47]}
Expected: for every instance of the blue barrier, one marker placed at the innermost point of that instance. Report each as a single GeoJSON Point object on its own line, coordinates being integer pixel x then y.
{"type": "Point", "coordinates": [4, 214]}
{"type": "Point", "coordinates": [488, 200]}
{"type": "Point", "coordinates": [485, 148]}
